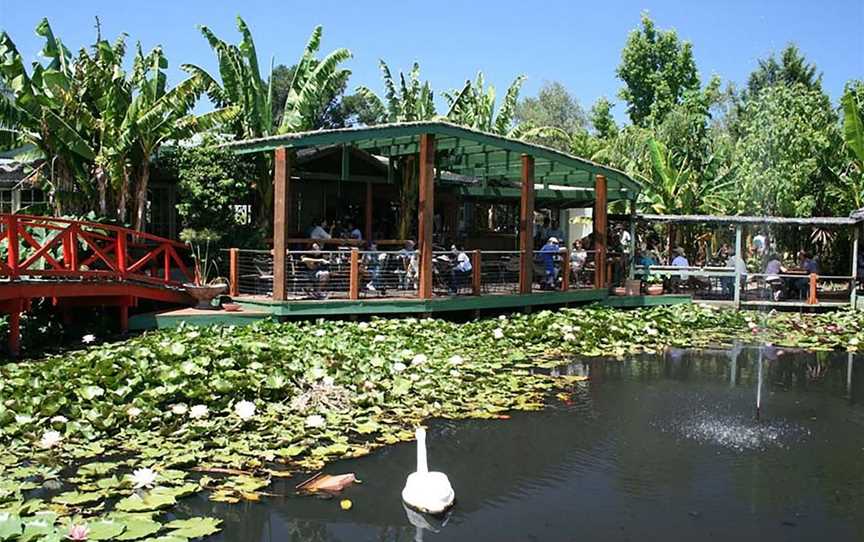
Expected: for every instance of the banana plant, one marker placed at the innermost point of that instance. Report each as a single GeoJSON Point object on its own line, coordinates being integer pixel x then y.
{"type": "Point", "coordinates": [42, 109]}
{"type": "Point", "coordinates": [411, 101]}
{"type": "Point", "coordinates": [848, 188]}
{"type": "Point", "coordinates": [240, 85]}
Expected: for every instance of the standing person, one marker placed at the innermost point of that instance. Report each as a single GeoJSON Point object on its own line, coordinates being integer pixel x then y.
{"type": "Point", "coordinates": [372, 263]}
{"type": "Point", "coordinates": [321, 231]}
{"type": "Point", "coordinates": [555, 231]}
{"type": "Point", "coordinates": [460, 271]}
{"type": "Point", "coordinates": [548, 254]}
{"type": "Point", "coordinates": [409, 268]}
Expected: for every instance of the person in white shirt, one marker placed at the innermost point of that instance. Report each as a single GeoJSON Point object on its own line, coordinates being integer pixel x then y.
{"type": "Point", "coordinates": [321, 231]}
{"type": "Point", "coordinates": [460, 270]}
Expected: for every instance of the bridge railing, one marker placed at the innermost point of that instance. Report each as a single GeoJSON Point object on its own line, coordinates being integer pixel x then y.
{"type": "Point", "coordinates": [40, 247]}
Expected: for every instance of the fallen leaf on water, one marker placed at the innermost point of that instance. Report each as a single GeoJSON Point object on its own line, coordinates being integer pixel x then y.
{"type": "Point", "coordinates": [345, 504]}
{"type": "Point", "coordinates": [327, 482]}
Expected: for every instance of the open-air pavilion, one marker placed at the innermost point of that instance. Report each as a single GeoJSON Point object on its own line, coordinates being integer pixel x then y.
{"type": "Point", "coordinates": [453, 165]}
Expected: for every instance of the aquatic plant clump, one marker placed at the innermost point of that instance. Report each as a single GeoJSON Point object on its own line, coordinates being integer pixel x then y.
{"type": "Point", "coordinates": [109, 438]}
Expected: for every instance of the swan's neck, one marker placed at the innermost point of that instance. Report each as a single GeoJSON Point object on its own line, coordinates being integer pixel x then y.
{"type": "Point", "coordinates": [421, 451]}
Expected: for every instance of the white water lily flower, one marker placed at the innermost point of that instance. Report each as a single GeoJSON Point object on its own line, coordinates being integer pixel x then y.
{"type": "Point", "coordinates": [179, 409]}
{"type": "Point", "coordinates": [419, 359]}
{"type": "Point", "coordinates": [502, 316]}
{"type": "Point", "coordinates": [456, 359]}
{"type": "Point", "coordinates": [328, 380]}
{"type": "Point", "coordinates": [199, 411]}
{"type": "Point", "coordinates": [363, 325]}
{"type": "Point", "coordinates": [50, 439]}
{"type": "Point", "coordinates": [498, 333]}
{"type": "Point", "coordinates": [89, 338]}
{"type": "Point", "coordinates": [454, 372]}
{"type": "Point", "coordinates": [142, 478]}
{"type": "Point", "coordinates": [398, 367]}
{"type": "Point", "coordinates": [569, 337]}
{"type": "Point", "coordinates": [316, 421]}
{"type": "Point", "coordinates": [320, 332]}
{"type": "Point", "coordinates": [59, 419]}
{"type": "Point", "coordinates": [853, 341]}
{"type": "Point", "coordinates": [245, 410]}
{"type": "Point", "coordinates": [379, 338]}
{"type": "Point", "coordinates": [651, 331]}
{"type": "Point", "coordinates": [752, 325]}
{"type": "Point", "coordinates": [133, 412]}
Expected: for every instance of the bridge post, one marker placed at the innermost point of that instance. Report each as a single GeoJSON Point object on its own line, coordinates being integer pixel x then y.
{"type": "Point", "coordinates": [120, 251]}
{"type": "Point", "coordinates": [12, 250]}
{"type": "Point", "coordinates": [476, 272]}
{"type": "Point", "coordinates": [234, 272]}
{"type": "Point", "coordinates": [15, 332]}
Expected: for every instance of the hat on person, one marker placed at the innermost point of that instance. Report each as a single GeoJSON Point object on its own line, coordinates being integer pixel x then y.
{"type": "Point", "coordinates": [553, 240]}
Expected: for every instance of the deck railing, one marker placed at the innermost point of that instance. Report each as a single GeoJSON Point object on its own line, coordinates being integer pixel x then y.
{"type": "Point", "coordinates": [723, 283]}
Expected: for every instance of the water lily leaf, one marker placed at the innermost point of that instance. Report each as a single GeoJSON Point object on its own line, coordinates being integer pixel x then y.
{"type": "Point", "coordinates": [194, 527]}
{"type": "Point", "coordinates": [291, 451]}
{"type": "Point", "coordinates": [105, 529]}
{"type": "Point", "coordinates": [91, 392]}
{"type": "Point", "coordinates": [367, 427]}
{"type": "Point", "coordinates": [139, 528]}
{"type": "Point", "coordinates": [10, 526]}
{"type": "Point", "coordinates": [38, 526]}
{"type": "Point", "coordinates": [92, 470]}
{"type": "Point", "coordinates": [152, 500]}
{"type": "Point", "coordinates": [76, 498]}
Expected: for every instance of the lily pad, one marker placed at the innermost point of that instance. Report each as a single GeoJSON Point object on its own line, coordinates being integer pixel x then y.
{"type": "Point", "coordinates": [194, 527]}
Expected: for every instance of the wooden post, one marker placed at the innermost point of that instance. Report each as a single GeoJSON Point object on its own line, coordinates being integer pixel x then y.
{"type": "Point", "coordinates": [12, 244]}
{"type": "Point", "coordinates": [72, 253]}
{"type": "Point", "coordinates": [526, 226]}
{"type": "Point", "coordinates": [476, 272]}
{"type": "Point", "coordinates": [426, 213]}
{"type": "Point", "coordinates": [120, 252]}
{"type": "Point", "coordinates": [281, 177]}
{"type": "Point", "coordinates": [600, 226]}
{"type": "Point", "coordinates": [811, 298]}
{"type": "Point", "coordinates": [234, 272]}
{"type": "Point", "coordinates": [739, 247]}
{"type": "Point", "coordinates": [631, 273]}
{"type": "Point", "coordinates": [15, 332]}
{"type": "Point", "coordinates": [853, 294]}
{"type": "Point", "coordinates": [368, 210]}
{"type": "Point", "coordinates": [166, 261]}
{"type": "Point", "coordinates": [124, 317]}
{"type": "Point", "coordinates": [565, 270]}
{"type": "Point", "coordinates": [354, 275]}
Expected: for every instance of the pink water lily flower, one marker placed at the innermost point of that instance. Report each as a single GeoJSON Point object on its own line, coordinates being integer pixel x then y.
{"type": "Point", "coordinates": [78, 532]}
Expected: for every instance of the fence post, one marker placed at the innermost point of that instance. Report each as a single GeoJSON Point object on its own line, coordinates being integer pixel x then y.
{"type": "Point", "coordinates": [811, 299]}
{"type": "Point", "coordinates": [565, 271]}
{"type": "Point", "coordinates": [120, 251]}
{"type": "Point", "coordinates": [738, 256]}
{"type": "Point", "coordinates": [475, 272]}
{"type": "Point", "coordinates": [234, 272]}
{"type": "Point", "coordinates": [354, 275]}
{"type": "Point", "coordinates": [12, 238]}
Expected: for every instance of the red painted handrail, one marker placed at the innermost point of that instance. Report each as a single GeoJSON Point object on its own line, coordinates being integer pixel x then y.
{"type": "Point", "coordinates": [72, 249]}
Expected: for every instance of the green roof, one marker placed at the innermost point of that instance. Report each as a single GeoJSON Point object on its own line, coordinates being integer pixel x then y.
{"type": "Point", "coordinates": [459, 150]}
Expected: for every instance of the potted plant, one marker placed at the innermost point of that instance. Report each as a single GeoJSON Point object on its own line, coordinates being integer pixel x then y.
{"type": "Point", "coordinates": [205, 288]}
{"type": "Point", "coordinates": [654, 284]}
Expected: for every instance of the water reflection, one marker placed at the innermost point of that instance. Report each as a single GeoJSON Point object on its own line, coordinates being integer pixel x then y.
{"type": "Point", "coordinates": [652, 447]}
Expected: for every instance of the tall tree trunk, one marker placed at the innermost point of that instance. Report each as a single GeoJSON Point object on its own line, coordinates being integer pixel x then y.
{"type": "Point", "coordinates": [141, 195]}
{"type": "Point", "coordinates": [407, 197]}
{"type": "Point", "coordinates": [102, 187]}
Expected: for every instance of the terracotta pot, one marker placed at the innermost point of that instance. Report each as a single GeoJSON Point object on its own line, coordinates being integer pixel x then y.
{"type": "Point", "coordinates": [205, 294]}
{"type": "Point", "coordinates": [619, 290]}
{"type": "Point", "coordinates": [230, 307]}
{"type": "Point", "coordinates": [654, 289]}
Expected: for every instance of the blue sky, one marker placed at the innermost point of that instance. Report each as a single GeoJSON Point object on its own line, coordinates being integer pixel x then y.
{"type": "Point", "coordinates": [576, 43]}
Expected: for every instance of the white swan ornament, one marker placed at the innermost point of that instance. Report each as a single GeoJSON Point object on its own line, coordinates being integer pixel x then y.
{"type": "Point", "coordinates": [428, 492]}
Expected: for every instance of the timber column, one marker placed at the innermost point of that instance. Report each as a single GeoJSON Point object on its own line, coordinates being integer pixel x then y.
{"type": "Point", "coordinates": [426, 209]}
{"type": "Point", "coordinates": [526, 226]}
{"type": "Point", "coordinates": [600, 227]}
{"type": "Point", "coordinates": [281, 217]}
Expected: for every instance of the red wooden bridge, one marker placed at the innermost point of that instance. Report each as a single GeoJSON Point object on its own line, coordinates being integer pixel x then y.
{"type": "Point", "coordinates": [76, 263]}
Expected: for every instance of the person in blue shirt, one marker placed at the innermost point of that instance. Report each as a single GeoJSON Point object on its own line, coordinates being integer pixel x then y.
{"type": "Point", "coordinates": [548, 255]}
{"type": "Point", "coordinates": [680, 259]}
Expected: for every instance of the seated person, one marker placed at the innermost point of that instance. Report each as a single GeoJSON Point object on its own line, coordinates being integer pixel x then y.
{"type": "Point", "coordinates": [810, 266]}
{"type": "Point", "coordinates": [548, 254]}
{"type": "Point", "coordinates": [460, 271]}
{"type": "Point", "coordinates": [354, 232]}
{"type": "Point", "coordinates": [578, 257]}
{"type": "Point", "coordinates": [316, 269]}
{"type": "Point", "coordinates": [680, 260]}
{"type": "Point", "coordinates": [773, 270]}
{"type": "Point", "coordinates": [321, 231]}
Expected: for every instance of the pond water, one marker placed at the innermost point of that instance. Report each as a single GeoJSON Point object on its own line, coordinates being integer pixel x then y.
{"type": "Point", "coordinates": [656, 447]}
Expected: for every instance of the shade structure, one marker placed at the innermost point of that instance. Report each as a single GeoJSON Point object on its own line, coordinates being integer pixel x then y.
{"type": "Point", "coordinates": [491, 162]}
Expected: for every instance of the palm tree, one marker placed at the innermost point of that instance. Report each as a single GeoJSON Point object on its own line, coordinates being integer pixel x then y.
{"type": "Point", "coordinates": [242, 86]}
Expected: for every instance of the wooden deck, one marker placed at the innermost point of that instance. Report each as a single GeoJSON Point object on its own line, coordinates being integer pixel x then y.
{"type": "Point", "coordinates": [254, 309]}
